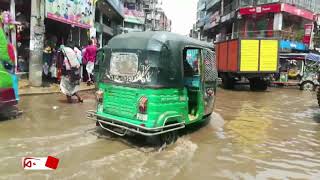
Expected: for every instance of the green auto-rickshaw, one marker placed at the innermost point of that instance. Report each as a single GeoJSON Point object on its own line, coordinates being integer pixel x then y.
{"type": "Point", "coordinates": [153, 84]}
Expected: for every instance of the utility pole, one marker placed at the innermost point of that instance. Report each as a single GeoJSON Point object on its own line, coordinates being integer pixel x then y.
{"type": "Point", "coordinates": [36, 42]}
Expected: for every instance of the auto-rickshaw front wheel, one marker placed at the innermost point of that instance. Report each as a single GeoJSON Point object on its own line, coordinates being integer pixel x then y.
{"type": "Point", "coordinates": [307, 86]}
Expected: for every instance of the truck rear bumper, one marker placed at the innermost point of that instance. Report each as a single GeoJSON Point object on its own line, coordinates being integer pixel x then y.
{"type": "Point", "coordinates": [129, 127]}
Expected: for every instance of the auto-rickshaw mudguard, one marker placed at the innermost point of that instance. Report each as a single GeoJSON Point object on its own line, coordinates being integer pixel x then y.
{"type": "Point", "coordinates": [169, 117]}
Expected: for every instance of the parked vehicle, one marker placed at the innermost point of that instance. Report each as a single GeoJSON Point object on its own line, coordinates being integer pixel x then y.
{"type": "Point", "coordinates": [8, 80]}
{"type": "Point", "coordinates": [298, 69]}
{"type": "Point", "coordinates": [8, 88]}
{"type": "Point", "coordinates": [153, 84]}
{"type": "Point", "coordinates": [242, 60]}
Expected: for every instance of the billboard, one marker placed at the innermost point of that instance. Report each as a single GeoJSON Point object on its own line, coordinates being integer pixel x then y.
{"type": "Point", "coordinates": [78, 13]}
{"type": "Point", "coordinates": [270, 8]}
{"type": "Point", "coordinates": [134, 16]}
{"type": "Point", "coordinates": [276, 8]}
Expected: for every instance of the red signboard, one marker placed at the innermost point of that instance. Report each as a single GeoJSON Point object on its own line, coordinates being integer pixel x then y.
{"type": "Point", "coordinates": [275, 8]}
{"type": "Point", "coordinates": [270, 8]}
{"type": "Point", "coordinates": [299, 12]}
{"type": "Point", "coordinates": [308, 28]}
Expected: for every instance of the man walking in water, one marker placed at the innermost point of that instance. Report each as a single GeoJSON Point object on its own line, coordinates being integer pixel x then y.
{"type": "Point", "coordinates": [90, 56]}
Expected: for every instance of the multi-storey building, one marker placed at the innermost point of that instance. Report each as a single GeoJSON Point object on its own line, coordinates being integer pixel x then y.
{"type": "Point", "coordinates": [156, 19]}
{"type": "Point", "coordinates": [108, 19]}
{"type": "Point", "coordinates": [134, 20]}
{"type": "Point", "coordinates": [285, 19]}
{"type": "Point", "coordinates": [144, 15]}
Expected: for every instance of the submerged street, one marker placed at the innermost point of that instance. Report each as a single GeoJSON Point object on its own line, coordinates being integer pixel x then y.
{"type": "Point", "coordinates": [252, 135]}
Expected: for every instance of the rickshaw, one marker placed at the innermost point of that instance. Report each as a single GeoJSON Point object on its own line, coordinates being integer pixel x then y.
{"type": "Point", "coordinates": [8, 80]}
{"type": "Point", "coordinates": [297, 69]}
{"type": "Point", "coordinates": [154, 84]}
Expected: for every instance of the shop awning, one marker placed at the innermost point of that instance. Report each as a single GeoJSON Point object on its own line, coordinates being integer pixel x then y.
{"type": "Point", "coordinates": [313, 57]}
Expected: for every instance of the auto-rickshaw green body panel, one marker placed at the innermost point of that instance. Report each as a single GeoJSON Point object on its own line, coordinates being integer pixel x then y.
{"type": "Point", "coordinates": [165, 105]}
{"type": "Point", "coordinates": [5, 80]}
{"type": "Point", "coordinates": [8, 80]}
{"type": "Point", "coordinates": [158, 76]}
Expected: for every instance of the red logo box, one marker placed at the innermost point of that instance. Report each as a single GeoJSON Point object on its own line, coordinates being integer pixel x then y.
{"type": "Point", "coordinates": [52, 162]}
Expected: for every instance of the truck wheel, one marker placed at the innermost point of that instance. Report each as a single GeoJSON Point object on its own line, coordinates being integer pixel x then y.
{"type": "Point", "coordinates": [307, 86]}
{"type": "Point", "coordinates": [263, 85]}
{"type": "Point", "coordinates": [168, 138]}
{"type": "Point", "coordinates": [258, 84]}
{"type": "Point", "coordinates": [227, 82]}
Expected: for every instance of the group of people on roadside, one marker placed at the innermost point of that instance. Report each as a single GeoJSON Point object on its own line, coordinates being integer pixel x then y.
{"type": "Point", "coordinates": [77, 65]}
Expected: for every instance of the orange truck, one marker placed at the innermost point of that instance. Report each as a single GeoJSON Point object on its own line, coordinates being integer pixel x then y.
{"type": "Point", "coordinates": [247, 60]}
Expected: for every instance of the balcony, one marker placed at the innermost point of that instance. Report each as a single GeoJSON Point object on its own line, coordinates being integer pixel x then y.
{"type": "Point", "coordinates": [288, 40]}
{"type": "Point", "coordinates": [102, 28]}
{"type": "Point", "coordinates": [117, 6]}
{"type": "Point", "coordinates": [201, 5]}
{"type": "Point", "coordinates": [230, 7]}
{"type": "Point", "coordinates": [305, 4]}
{"type": "Point", "coordinates": [211, 3]}
{"type": "Point", "coordinates": [266, 1]}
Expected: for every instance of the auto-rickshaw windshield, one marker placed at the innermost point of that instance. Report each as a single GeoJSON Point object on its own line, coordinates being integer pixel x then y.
{"type": "Point", "coordinates": [142, 68]}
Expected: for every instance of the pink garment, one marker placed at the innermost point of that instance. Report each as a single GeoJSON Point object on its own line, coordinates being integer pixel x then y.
{"type": "Point", "coordinates": [90, 53]}
{"type": "Point", "coordinates": [11, 52]}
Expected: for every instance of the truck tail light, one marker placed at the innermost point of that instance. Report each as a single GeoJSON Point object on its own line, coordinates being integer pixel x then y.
{"type": "Point", "coordinates": [143, 105]}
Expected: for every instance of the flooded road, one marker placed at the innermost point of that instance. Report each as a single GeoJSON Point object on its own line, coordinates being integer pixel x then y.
{"type": "Point", "coordinates": [252, 135]}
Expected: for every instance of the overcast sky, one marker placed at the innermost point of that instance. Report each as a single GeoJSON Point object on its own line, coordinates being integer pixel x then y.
{"type": "Point", "coordinates": [183, 14]}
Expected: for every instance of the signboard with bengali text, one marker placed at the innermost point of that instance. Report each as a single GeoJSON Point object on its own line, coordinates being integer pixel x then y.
{"type": "Point", "coordinates": [78, 13]}
{"type": "Point", "coordinates": [276, 8]}
{"type": "Point", "coordinates": [134, 16]}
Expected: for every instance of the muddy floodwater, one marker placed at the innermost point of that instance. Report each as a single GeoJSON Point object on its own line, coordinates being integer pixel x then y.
{"type": "Point", "coordinates": [252, 135]}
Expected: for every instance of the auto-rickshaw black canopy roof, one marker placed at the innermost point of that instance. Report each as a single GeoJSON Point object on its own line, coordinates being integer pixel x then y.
{"type": "Point", "coordinates": [154, 41]}
{"type": "Point", "coordinates": [162, 52]}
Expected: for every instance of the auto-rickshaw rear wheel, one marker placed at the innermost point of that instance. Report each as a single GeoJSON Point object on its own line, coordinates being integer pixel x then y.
{"type": "Point", "coordinates": [169, 137]}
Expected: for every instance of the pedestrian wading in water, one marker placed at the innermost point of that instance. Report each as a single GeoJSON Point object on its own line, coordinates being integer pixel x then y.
{"type": "Point", "coordinates": [89, 56]}
{"type": "Point", "coordinates": [70, 81]}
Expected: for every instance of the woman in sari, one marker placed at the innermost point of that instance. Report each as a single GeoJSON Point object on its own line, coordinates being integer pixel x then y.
{"type": "Point", "coordinates": [70, 81]}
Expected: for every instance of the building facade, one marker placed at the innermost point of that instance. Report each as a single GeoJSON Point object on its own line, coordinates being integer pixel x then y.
{"type": "Point", "coordinates": [34, 25]}
{"type": "Point", "coordinates": [144, 15]}
{"type": "Point", "coordinates": [134, 14]}
{"type": "Point", "coordinates": [109, 16]}
{"type": "Point", "coordinates": [287, 20]}
{"type": "Point", "coordinates": [156, 19]}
